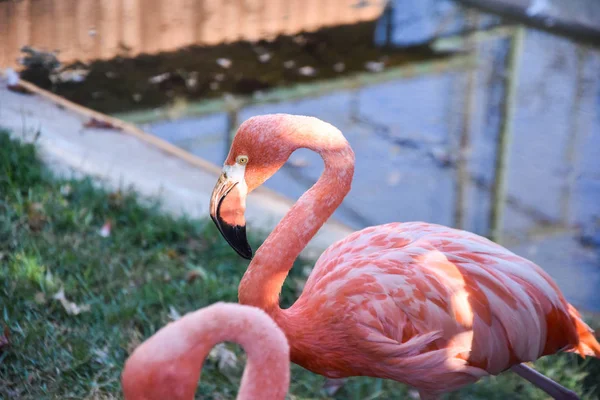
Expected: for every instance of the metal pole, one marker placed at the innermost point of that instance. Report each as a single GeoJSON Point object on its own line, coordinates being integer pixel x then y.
{"type": "Point", "coordinates": [389, 26]}
{"type": "Point", "coordinates": [573, 138]}
{"type": "Point", "coordinates": [232, 107]}
{"type": "Point", "coordinates": [355, 101]}
{"type": "Point", "coordinates": [498, 195]}
{"type": "Point", "coordinates": [462, 170]}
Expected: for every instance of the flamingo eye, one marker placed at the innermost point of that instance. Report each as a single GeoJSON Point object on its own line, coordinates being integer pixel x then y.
{"type": "Point", "coordinates": [242, 160]}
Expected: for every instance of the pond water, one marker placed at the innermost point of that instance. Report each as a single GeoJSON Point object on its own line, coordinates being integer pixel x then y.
{"type": "Point", "coordinates": [405, 134]}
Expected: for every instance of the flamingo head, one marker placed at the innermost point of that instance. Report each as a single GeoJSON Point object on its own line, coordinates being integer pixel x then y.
{"type": "Point", "coordinates": [261, 146]}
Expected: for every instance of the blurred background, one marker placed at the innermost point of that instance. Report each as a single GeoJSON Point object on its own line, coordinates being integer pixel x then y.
{"type": "Point", "coordinates": [478, 114]}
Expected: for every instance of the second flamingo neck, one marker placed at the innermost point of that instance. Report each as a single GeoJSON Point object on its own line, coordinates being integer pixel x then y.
{"type": "Point", "coordinates": [261, 285]}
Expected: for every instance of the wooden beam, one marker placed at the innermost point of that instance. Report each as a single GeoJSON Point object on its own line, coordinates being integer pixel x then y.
{"type": "Point", "coordinates": [504, 141]}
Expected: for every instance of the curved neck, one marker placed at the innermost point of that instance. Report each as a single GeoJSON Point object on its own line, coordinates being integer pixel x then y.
{"type": "Point", "coordinates": [262, 282]}
{"type": "Point", "coordinates": [168, 365]}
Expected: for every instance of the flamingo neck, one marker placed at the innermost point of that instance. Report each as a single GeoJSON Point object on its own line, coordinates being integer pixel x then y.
{"type": "Point", "coordinates": [262, 282]}
{"type": "Point", "coordinates": [168, 365]}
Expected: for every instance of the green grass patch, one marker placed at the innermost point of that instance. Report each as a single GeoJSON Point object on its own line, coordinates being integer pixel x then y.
{"type": "Point", "coordinates": [120, 289]}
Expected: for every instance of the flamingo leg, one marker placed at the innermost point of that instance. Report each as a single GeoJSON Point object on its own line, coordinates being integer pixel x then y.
{"type": "Point", "coordinates": [554, 389]}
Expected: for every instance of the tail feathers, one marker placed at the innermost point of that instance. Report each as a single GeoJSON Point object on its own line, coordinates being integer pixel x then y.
{"type": "Point", "coordinates": [588, 345]}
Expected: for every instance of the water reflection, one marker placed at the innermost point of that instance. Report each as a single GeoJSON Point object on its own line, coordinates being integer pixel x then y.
{"type": "Point", "coordinates": [101, 29]}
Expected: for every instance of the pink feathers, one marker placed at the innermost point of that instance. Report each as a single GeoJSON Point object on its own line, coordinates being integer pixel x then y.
{"type": "Point", "coordinates": [168, 364]}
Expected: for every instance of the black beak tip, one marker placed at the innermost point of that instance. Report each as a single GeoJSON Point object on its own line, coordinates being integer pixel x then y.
{"type": "Point", "coordinates": [235, 235]}
{"type": "Point", "coordinates": [247, 254]}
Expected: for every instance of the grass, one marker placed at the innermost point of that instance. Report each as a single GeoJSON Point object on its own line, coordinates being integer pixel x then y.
{"type": "Point", "coordinates": [150, 268]}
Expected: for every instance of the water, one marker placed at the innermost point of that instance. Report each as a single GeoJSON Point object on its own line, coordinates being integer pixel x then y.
{"type": "Point", "coordinates": [86, 30]}
{"type": "Point", "coordinates": [405, 136]}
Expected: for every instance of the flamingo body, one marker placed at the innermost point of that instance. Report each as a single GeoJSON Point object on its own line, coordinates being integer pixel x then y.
{"type": "Point", "coordinates": [431, 306]}
{"type": "Point", "coordinates": [401, 299]}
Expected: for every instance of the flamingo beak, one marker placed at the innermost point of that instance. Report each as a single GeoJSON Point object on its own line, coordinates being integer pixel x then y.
{"type": "Point", "coordinates": [227, 207]}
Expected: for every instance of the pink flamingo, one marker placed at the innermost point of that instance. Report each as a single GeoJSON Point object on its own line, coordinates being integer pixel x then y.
{"type": "Point", "coordinates": [431, 306]}
{"type": "Point", "coordinates": [168, 364]}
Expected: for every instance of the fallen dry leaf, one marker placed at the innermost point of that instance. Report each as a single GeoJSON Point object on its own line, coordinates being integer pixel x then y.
{"type": "Point", "coordinates": [66, 190]}
{"type": "Point", "coordinates": [135, 339]}
{"type": "Point", "coordinates": [70, 307]}
{"type": "Point", "coordinates": [173, 313]}
{"type": "Point", "coordinates": [116, 199]}
{"type": "Point", "coordinates": [101, 355]}
{"type": "Point", "coordinates": [5, 338]}
{"type": "Point", "coordinates": [18, 88]}
{"type": "Point", "coordinates": [40, 298]}
{"type": "Point", "coordinates": [95, 123]}
{"type": "Point", "coordinates": [13, 82]}
{"type": "Point", "coordinates": [331, 386]}
{"type": "Point", "coordinates": [197, 272]}
{"type": "Point", "coordinates": [36, 218]}
{"type": "Point", "coordinates": [226, 360]}
{"type": "Point", "coordinates": [172, 254]}
{"type": "Point", "coordinates": [105, 230]}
